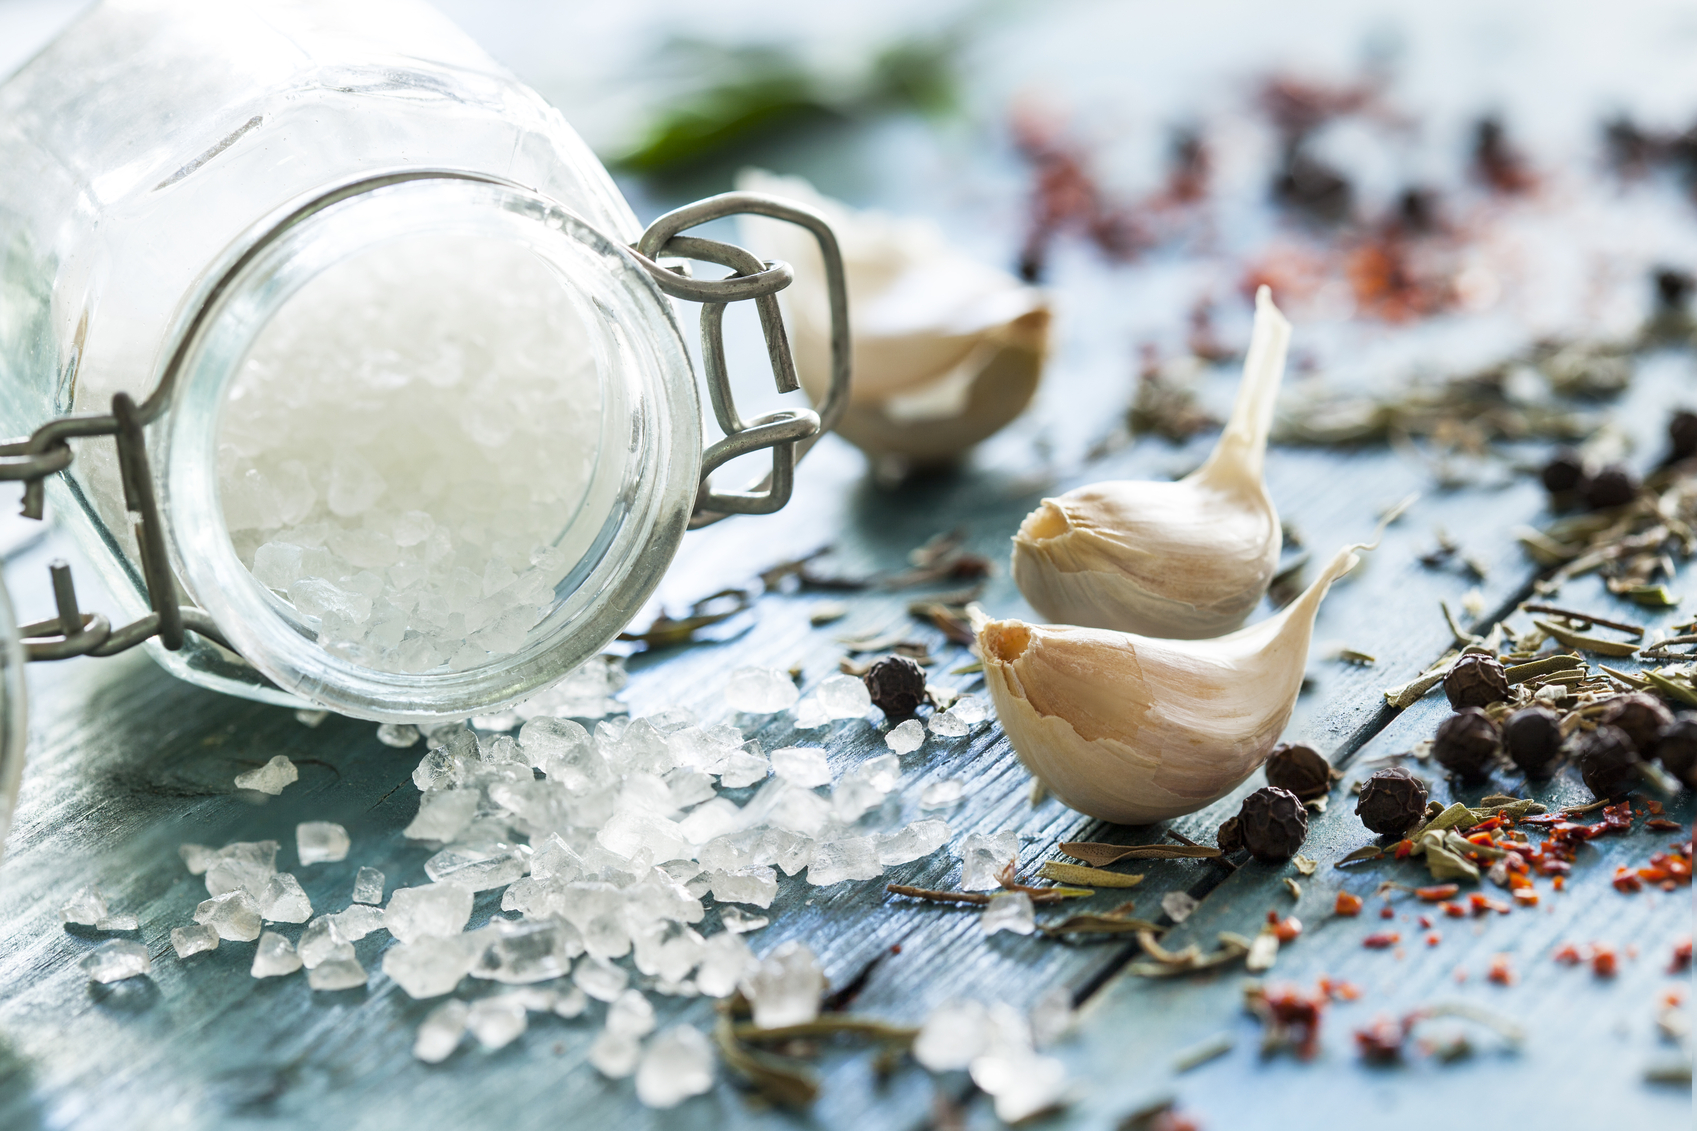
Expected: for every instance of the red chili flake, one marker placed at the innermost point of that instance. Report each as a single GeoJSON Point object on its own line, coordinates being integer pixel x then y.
{"type": "Point", "coordinates": [1339, 991]}
{"type": "Point", "coordinates": [1403, 848]}
{"type": "Point", "coordinates": [1482, 903]}
{"type": "Point", "coordinates": [1425, 922]}
{"type": "Point", "coordinates": [1287, 929]}
{"type": "Point", "coordinates": [1434, 939]}
{"type": "Point", "coordinates": [1291, 1017]}
{"type": "Point", "coordinates": [1559, 883]}
{"type": "Point", "coordinates": [1525, 897]}
{"type": "Point", "coordinates": [1347, 904]}
{"type": "Point", "coordinates": [1603, 960]}
{"type": "Point", "coordinates": [1381, 1041]}
{"type": "Point", "coordinates": [1654, 806]}
{"type": "Point", "coordinates": [1379, 940]}
{"type": "Point", "coordinates": [1437, 893]}
{"type": "Point", "coordinates": [1625, 881]}
{"type": "Point", "coordinates": [1681, 956]}
{"type": "Point", "coordinates": [1569, 954]}
{"type": "Point", "coordinates": [1501, 972]}
{"type": "Point", "coordinates": [1454, 910]}
{"type": "Point", "coordinates": [1171, 1120]}
{"type": "Point", "coordinates": [1662, 824]}
{"type": "Point", "coordinates": [1485, 826]}
{"type": "Point", "coordinates": [1387, 912]}
{"type": "Point", "coordinates": [1483, 839]}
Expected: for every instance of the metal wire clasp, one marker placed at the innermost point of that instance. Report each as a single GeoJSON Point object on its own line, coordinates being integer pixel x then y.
{"type": "Point", "coordinates": [790, 432]}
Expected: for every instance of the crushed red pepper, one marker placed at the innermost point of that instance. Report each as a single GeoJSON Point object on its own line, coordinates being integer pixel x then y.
{"type": "Point", "coordinates": [1381, 940]}
{"type": "Point", "coordinates": [1502, 972]}
{"type": "Point", "coordinates": [1681, 956]}
{"type": "Point", "coordinates": [1347, 904]}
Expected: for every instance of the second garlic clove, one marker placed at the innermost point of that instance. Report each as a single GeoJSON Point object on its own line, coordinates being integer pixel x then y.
{"type": "Point", "coordinates": [1133, 729]}
{"type": "Point", "coordinates": [1186, 560]}
{"type": "Point", "coordinates": [947, 350]}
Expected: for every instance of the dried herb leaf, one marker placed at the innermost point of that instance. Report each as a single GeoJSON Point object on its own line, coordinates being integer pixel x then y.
{"type": "Point", "coordinates": [1263, 952]}
{"type": "Point", "coordinates": [1293, 887]}
{"type": "Point", "coordinates": [781, 1079]}
{"type": "Point", "coordinates": [1098, 925]}
{"type": "Point", "coordinates": [1086, 876]}
{"type": "Point", "coordinates": [1304, 864]}
{"type": "Point", "coordinates": [1369, 852]}
{"type": "Point", "coordinates": [1586, 643]}
{"type": "Point", "coordinates": [1203, 1051]}
{"type": "Point", "coordinates": [1101, 855]}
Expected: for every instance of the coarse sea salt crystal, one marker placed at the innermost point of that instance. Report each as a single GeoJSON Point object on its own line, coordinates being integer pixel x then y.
{"type": "Point", "coordinates": [86, 908]}
{"type": "Point", "coordinates": [398, 735]}
{"type": "Point", "coordinates": [761, 691]}
{"type": "Point", "coordinates": [1008, 911]}
{"type": "Point", "coordinates": [275, 956]}
{"type": "Point", "coordinates": [442, 814]}
{"type": "Point", "coordinates": [497, 1021]}
{"type": "Point", "coordinates": [947, 724]}
{"type": "Point", "coordinates": [921, 838]}
{"type": "Point", "coordinates": [743, 768]}
{"type": "Point", "coordinates": [234, 915]}
{"type": "Point", "coordinates": [118, 923]}
{"type": "Point", "coordinates": [970, 709]}
{"type": "Point", "coordinates": [984, 856]}
{"type": "Point", "coordinates": [319, 942]}
{"type": "Point", "coordinates": [853, 859]}
{"type": "Point", "coordinates": [354, 923]}
{"type": "Point", "coordinates": [881, 772]}
{"type": "Point", "coordinates": [810, 714]}
{"type": "Point", "coordinates": [321, 842]}
{"type": "Point", "coordinates": [528, 951]}
{"type": "Point", "coordinates": [193, 939]}
{"type": "Point", "coordinates": [311, 718]}
{"type": "Point", "coordinates": [273, 777]}
{"type": "Point", "coordinates": [725, 960]}
{"type": "Point", "coordinates": [248, 865]}
{"type": "Point", "coordinates": [337, 974]}
{"type": "Point", "coordinates": [368, 886]}
{"type": "Point", "coordinates": [905, 737]}
{"type": "Point", "coordinates": [571, 1003]}
{"type": "Point", "coordinates": [1178, 905]}
{"type": "Point", "coordinates": [478, 867]}
{"type": "Point", "coordinates": [614, 1054]}
{"type": "Point", "coordinates": [785, 986]}
{"type": "Point", "coordinates": [115, 960]}
{"type": "Point", "coordinates": [630, 1015]}
{"type": "Point", "coordinates": [439, 1035]}
{"type": "Point", "coordinates": [197, 857]}
{"type": "Point", "coordinates": [753, 885]}
{"type": "Point", "coordinates": [1052, 1016]}
{"type": "Point", "coordinates": [283, 900]}
{"type": "Point", "coordinates": [1022, 1084]}
{"type": "Point", "coordinates": [844, 697]}
{"type": "Point", "coordinates": [429, 966]}
{"type": "Point", "coordinates": [431, 909]}
{"type": "Point", "coordinates": [952, 1036]}
{"type": "Point", "coordinates": [801, 765]}
{"type": "Point", "coordinates": [942, 794]}
{"type": "Point", "coordinates": [735, 921]}
{"type": "Point", "coordinates": [676, 1065]}
{"type": "Point", "coordinates": [599, 978]}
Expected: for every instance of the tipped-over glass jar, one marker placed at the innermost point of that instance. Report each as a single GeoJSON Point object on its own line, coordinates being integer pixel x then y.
{"type": "Point", "coordinates": [341, 351]}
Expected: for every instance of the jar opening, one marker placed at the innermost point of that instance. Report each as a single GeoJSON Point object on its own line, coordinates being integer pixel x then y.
{"type": "Point", "coordinates": [433, 450]}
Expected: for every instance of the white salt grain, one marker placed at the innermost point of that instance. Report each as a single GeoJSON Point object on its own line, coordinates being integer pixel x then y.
{"type": "Point", "coordinates": [734, 921]}
{"type": "Point", "coordinates": [599, 978]}
{"type": "Point", "coordinates": [430, 966]}
{"type": "Point", "coordinates": [1008, 911]}
{"type": "Point", "coordinates": [952, 1036]}
{"type": "Point", "coordinates": [947, 724]}
{"type": "Point", "coordinates": [441, 1031]}
{"type": "Point", "coordinates": [743, 768]}
{"type": "Point", "coordinates": [983, 858]}
{"type": "Point", "coordinates": [725, 960]}
{"type": "Point", "coordinates": [676, 1065]}
{"type": "Point", "coordinates": [810, 714]}
{"type": "Point", "coordinates": [784, 988]}
{"type": "Point", "coordinates": [431, 909]}
{"type": "Point", "coordinates": [905, 737]}
{"type": "Point", "coordinates": [248, 865]}
{"type": "Point", "coordinates": [853, 859]}
{"type": "Point", "coordinates": [630, 1015]}
{"type": "Point", "coordinates": [801, 765]}
{"type": "Point", "coordinates": [368, 886]}
{"type": "Point", "coordinates": [310, 718]}
{"type": "Point", "coordinates": [942, 794]}
{"type": "Point", "coordinates": [234, 915]}
{"type": "Point", "coordinates": [193, 939]}
{"type": "Point", "coordinates": [881, 772]}
{"type": "Point", "coordinates": [477, 867]}
{"type": "Point", "coordinates": [970, 710]}
{"type": "Point", "coordinates": [272, 778]}
{"type": "Point", "coordinates": [398, 735]}
{"type": "Point", "coordinates": [275, 956]}
{"type": "Point", "coordinates": [1178, 905]}
{"type": "Point", "coordinates": [321, 842]}
{"type": "Point", "coordinates": [496, 1021]}
{"type": "Point", "coordinates": [571, 1003]}
{"type": "Point", "coordinates": [115, 960]}
{"type": "Point", "coordinates": [442, 814]}
{"type": "Point", "coordinates": [1052, 1016]}
{"type": "Point", "coordinates": [761, 691]}
{"type": "Point", "coordinates": [320, 943]}
{"type": "Point", "coordinates": [354, 923]}
{"type": "Point", "coordinates": [197, 857]}
{"type": "Point", "coordinates": [921, 838]}
{"type": "Point", "coordinates": [844, 697]}
{"type": "Point", "coordinates": [337, 974]}
{"type": "Point", "coordinates": [754, 885]}
{"type": "Point", "coordinates": [1023, 1084]}
{"type": "Point", "coordinates": [283, 901]}
{"type": "Point", "coordinates": [86, 908]}
{"type": "Point", "coordinates": [615, 1055]}
{"type": "Point", "coordinates": [118, 923]}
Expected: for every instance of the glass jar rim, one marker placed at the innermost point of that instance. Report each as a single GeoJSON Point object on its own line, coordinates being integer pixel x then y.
{"type": "Point", "coordinates": [651, 496]}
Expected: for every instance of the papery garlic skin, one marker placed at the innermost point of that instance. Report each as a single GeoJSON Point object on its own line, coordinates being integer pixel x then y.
{"type": "Point", "coordinates": [1132, 729]}
{"type": "Point", "coordinates": [946, 349]}
{"type": "Point", "coordinates": [1186, 560]}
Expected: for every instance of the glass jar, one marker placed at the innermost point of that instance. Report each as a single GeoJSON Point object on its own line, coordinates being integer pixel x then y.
{"type": "Point", "coordinates": [181, 178]}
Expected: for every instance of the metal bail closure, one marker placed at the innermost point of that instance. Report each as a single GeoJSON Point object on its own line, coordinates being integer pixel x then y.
{"type": "Point", "coordinates": [789, 433]}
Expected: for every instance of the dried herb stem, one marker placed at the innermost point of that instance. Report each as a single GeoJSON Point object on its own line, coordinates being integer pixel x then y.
{"type": "Point", "coordinates": [827, 1025]}
{"type": "Point", "coordinates": [1584, 642]}
{"type": "Point", "coordinates": [781, 1079]}
{"type": "Point", "coordinates": [1569, 614]}
{"type": "Point", "coordinates": [1038, 895]}
{"type": "Point", "coordinates": [1550, 665]}
{"type": "Point", "coordinates": [1101, 855]}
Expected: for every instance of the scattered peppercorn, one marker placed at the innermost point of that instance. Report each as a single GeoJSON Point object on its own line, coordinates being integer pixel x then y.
{"type": "Point", "coordinates": [1676, 746]}
{"type": "Point", "coordinates": [1391, 801]}
{"type": "Point", "coordinates": [1532, 739]}
{"type": "Point", "coordinates": [1466, 743]}
{"type": "Point", "coordinates": [1682, 435]}
{"type": "Point", "coordinates": [897, 686]}
{"type": "Point", "coordinates": [1641, 716]}
{"type": "Point", "coordinates": [1613, 486]}
{"type": "Point", "coordinates": [1230, 836]}
{"type": "Point", "coordinates": [1563, 473]}
{"type": "Point", "coordinates": [1273, 823]}
{"type": "Point", "coordinates": [1475, 680]}
{"type": "Point", "coordinates": [1299, 769]}
{"type": "Point", "coordinates": [1607, 761]}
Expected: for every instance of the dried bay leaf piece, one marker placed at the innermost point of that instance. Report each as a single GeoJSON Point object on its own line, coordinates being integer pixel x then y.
{"type": "Point", "coordinates": [1585, 642]}
{"type": "Point", "coordinates": [1085, 876]}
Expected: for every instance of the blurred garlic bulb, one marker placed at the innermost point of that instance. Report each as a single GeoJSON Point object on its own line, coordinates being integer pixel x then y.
{"type": "Point", "coordinates": [1131, 729]}
{"type": "Point", "coordinates": [1186, 560]}
{"type": "Point", "coordinates": [946, 349]}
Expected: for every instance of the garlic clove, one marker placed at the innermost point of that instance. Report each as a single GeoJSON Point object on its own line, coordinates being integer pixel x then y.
{"type": "Point", "coordinates": [1185, 560]}
{"type": "Point", "coordinates": [947, 350]}
{"type": "Point", "coordinates": [1133, 729]}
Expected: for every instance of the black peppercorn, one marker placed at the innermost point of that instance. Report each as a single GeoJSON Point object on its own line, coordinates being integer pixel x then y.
{"type": "Point", "coordinates": [1466, 743]}
{"type": "Point", "coordinates": [1677, 747]}
{"type": "Point", "coordinates": [1475, 680]}
{"type": "Point", "coordinates": [1682, 436]}
{"type": "Point", "coordinates": [1273, 823]}
{"type": "Point", "coordinates": [1300, 769]}
{"type": "Point", "coordinates": [1563, 473]}
{"type": "Point", "coordinates": [1614, 486]}
{"type": "Point", "coordinates": [1607, 761]}
{"type": "Point", "coordinates": [1532, 738]}
{"type": "Point", "coordinates": [1641, 716]}
{"type": "Point", "coordinates": [897, 686]}
{"type": "Point", "coordinates": [1230, 836]}
{"type": "Point", "coordinates": [1391, 801]}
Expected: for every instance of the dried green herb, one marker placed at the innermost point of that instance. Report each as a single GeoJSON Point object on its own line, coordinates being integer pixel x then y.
{"type": "Point", "coordinates": [781, 1079]}
{"type": "Point", "coordinates": [1304, 865]}
{"type": "Point", "coordinates": [1369, 852]}
{"type": "Point", "coordinates": [1097, 925]}
{"type": "Point", "coordinates": [1549, 665]}
{"type": "Point", "coordinates": [1038, 895]}
{"type": "Point", "coordinates": [1586, 618]}
{"type": "Point", "coordinates": [1585, 642]}
{"type": "Point", "coordinates": [1101, 855]}
{"type": "Point", "coordinates": [1085, 876]}
{"type": "Point", "coordinates": [665, 631]}
{"type": "Point", "coordinates": [1166, 964]}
